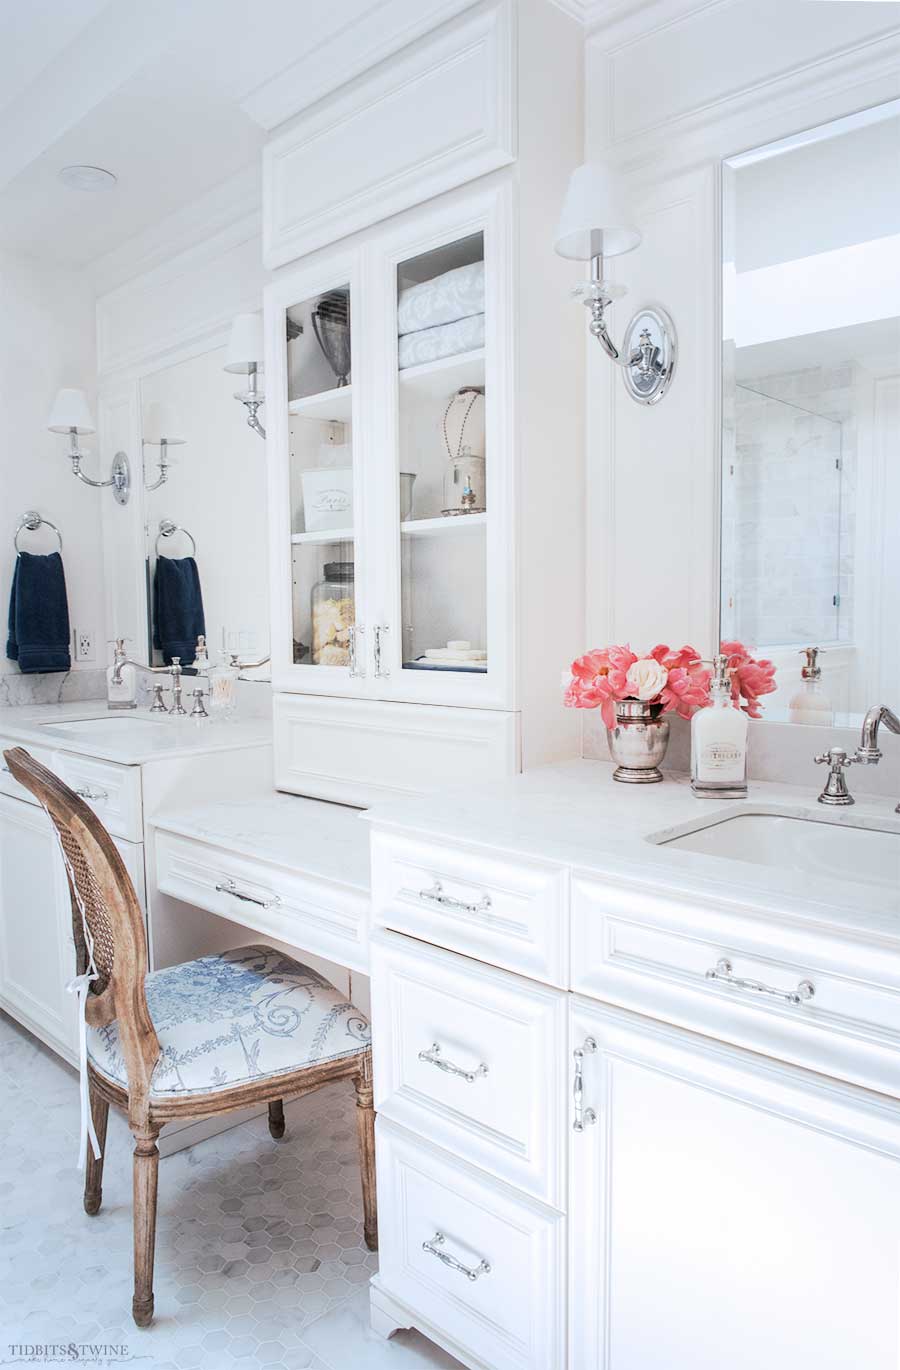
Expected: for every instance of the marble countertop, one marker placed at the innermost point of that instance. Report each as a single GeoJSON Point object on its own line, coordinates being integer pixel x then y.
{"type": "Point", "coordinates": [309, 836]}
{"type": "Point", "coordinates": [111, 739]}
{"type": "Point", "coordinates": [575, 814]}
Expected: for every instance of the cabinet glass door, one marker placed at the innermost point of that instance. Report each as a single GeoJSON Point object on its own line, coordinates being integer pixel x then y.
{"type": "Point", "coordinates": [324, 484]}
{"type": "Point", "coordinates": [442, 469]}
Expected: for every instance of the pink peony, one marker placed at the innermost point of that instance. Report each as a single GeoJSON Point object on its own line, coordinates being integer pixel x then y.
{"type": "Point", "coordinates": [675, 680]}
{"type": "Point", "coordinates": [750, 677]}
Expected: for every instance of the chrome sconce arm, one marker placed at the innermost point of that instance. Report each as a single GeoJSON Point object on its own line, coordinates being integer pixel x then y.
{"type": "Point", "coordinates": [163, 444]}
{"type": "Point", "coordinates": [253, 399]}
{"type": "Point", "coordinates": [647, 357]}
{"type": "Point", "coordinates": [119, 477]}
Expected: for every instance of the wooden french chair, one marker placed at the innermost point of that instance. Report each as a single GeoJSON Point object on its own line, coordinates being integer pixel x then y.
{"type": "Point", "coordinates": [248, 1026]}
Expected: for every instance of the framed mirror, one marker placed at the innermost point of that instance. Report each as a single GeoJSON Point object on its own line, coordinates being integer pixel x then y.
{"type": "Point", "coordinates": [810, 509]}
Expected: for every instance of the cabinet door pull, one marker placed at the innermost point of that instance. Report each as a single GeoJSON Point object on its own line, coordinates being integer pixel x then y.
{"type": "Point", "coordinates": [381, 672]}
{"type": "Point", "coordinates": [723, 972]}
{"type": "Point", "coordinates": [229, 887]}
{"type": "Point", "coordinates": [436, 895]}
{"type": "Point", "coordinates": [471, 1272]}
{"type": "Point", "coordinates": [433, 1058]}
{"type": "Point", "coordinates": [584, 1117]}
{"type": "Point", "coordinates": [88, 792]}
{"type": "Point", "coordinates": [357, 650]}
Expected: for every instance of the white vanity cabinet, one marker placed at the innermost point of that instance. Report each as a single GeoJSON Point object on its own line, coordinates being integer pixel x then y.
{"type": "Point", "coordinates": [566, 1182]}
{"type": "Point", "coordinates": [726, 1209]}
{"type": "Point", "coordinates": [37, 951]}
{"type": "Point", "coordinates": [414, 475]}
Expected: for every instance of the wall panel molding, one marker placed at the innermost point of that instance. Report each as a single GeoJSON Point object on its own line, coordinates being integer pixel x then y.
{"type": "Point", "coordinates": [439, 114]}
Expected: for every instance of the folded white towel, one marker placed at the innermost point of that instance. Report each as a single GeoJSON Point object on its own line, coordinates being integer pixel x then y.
{"type": "Point", "coordinates": [430, 344]}
{"type": "Point", "coordinates": [455, 295]}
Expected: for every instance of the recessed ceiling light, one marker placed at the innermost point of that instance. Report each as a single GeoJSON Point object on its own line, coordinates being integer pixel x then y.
{"type": "Point", "coordinates": [90, 178]}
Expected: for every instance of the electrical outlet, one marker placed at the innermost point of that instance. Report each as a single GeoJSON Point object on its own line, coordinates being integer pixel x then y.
{"type": "Point", "coordinates": [84, 644]}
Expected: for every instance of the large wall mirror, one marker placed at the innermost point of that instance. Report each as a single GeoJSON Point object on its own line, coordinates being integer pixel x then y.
{"type": "Point", "coordinates": [211, 506]}
{"type": "Point", "coordinates": [810, 533]}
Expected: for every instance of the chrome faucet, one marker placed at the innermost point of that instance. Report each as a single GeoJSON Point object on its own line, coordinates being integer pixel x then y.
{"type": "Point", "coordinates": [120, 660]}
{"type": "Point", "coordinates": [868, 753]}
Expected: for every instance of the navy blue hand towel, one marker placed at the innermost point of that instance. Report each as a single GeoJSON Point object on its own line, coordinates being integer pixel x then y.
{"type": "Point", "coordinates": [39, 615]}
{"type": "Point", "coordinates": [177, 608]}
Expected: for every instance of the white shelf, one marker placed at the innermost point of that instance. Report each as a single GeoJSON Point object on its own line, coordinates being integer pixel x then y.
{"type": "Point", "coordinates": [438, 380]}
{"type": "Point", "coordinates": [323, 536]}
{"type": "Point", "coordinates": [327, 405]}
{"type": "Point", "coordinates": [454, 524]}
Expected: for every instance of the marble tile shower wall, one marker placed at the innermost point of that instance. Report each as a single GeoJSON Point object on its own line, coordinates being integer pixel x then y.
{"type": "Point", "coordinates": [789, 509]}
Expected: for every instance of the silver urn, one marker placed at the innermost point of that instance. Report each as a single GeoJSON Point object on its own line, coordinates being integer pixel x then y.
{"type": "Point", "coordinates": [638, 742]}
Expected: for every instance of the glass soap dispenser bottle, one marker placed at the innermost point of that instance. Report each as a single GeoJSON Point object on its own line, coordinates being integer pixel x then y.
{"type": "Point", "coordinates": [719, 741]}
{"type": "Point", "coordinates": [811, 704]}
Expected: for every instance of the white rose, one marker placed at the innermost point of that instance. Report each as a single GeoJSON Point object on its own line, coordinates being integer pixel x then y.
{"type": "Point", "coordinates": [646, 678]}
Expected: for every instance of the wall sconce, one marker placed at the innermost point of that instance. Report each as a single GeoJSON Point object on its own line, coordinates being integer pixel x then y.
{"type": "Point", "coordinates": [244, 357]}
{"type": "Point", "coordinates": [596, 223]}
{"type": "Point", "coordinates": [71, 414]}
{"type": "Point", "coordinates": [159, 424]}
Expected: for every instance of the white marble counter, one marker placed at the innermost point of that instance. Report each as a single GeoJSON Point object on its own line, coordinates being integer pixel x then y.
{"type": "Point", "coordinates": [575, 814]}
{"type": "Point", "coordinates": [114, 737]}
{"type": "Point", "coordinates": [309, 836]}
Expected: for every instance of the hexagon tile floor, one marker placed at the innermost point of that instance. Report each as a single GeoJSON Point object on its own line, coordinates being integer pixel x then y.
{"type": "Point", "coordinates": [259, 1252]}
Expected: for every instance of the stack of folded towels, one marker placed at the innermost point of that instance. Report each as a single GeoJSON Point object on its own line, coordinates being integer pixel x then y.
{"type": "Point", "coordinates": [441, 317]}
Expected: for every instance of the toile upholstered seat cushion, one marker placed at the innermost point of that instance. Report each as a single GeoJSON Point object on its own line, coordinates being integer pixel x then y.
{"type": "Point", "coordinates": [237, 1016]}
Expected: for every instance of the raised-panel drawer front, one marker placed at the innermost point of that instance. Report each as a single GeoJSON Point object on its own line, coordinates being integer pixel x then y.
{"type": "Point", "coordinates": [472, 1058]}
{"type": "Point", "coordinates": [808, 995]}
{"type": "Point", "coordinates": [112, 791]}
{"type": "Point", "coordinates": [10, 786]}
{"type": "Point", "coordinates": [507, 911]}
{"type": "Point", "coordinates": [497, 1294]}
{"type": "Point", "coordinates": [298, 909]}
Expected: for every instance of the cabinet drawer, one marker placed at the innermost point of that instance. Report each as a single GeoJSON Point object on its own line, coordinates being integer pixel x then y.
{"type": "Point", "coordinates": [802, 994]}
{"type": "Point", "coordinates": [12, 787]}
{"type": "Point", "coordinates": [472, 1058]}
{"type": "Point", "coordinates": [509, 912]}
{"type": "Point", "coordinates": [302, 910]}
{"type": "Point", "coordinates": [112, 791]}
{"type": "Point", "coordinates": [481, 1264]}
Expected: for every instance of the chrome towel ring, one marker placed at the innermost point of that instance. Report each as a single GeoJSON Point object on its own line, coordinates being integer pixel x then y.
{"type": "Point", "coordinates": [168, 529]}
{"type": "Point", "coordinates": [31, 521]}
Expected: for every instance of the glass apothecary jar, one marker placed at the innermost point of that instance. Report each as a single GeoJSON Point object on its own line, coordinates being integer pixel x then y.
{"type": "Point", "coordinates": [332, 609]}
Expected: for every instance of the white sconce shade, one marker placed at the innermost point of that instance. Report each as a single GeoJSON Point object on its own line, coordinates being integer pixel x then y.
{"type": "Point", "coordinates": [71, 411]}
{"type": "Point", "coordinates": [245, 346]}
{"type": "Point", "coordinates": [160, 425]}
{"type": "Point", "coordinates": [596, 219]}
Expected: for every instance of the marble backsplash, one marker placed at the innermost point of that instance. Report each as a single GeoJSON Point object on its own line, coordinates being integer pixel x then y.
{"type": "Point", "coordinates": [59, 687]}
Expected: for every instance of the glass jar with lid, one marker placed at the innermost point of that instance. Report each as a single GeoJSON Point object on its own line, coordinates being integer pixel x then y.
{"type": "Point", "coordinates": [333, 613]}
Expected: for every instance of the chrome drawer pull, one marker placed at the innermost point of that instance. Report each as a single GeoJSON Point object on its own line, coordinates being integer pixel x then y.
{"type": "Point", "coordinates": [584, 1117]}
{"type": "Point", "coordinates": [355, 643]}
{"type": "Point", "coordinates": [229, 887]}
{"type": "Point", "coordinates": [433, 1058]}
{"type": "Point", "coordinates": [723, 972]}
{"type": "Point", "coordinates": [471, 1272]}
{"type": "Point", "coordinates": [436, 895]}
{"type": "Point", "coordinates": [88, 792]}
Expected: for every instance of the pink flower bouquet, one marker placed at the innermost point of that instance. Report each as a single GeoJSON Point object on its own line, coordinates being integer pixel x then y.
{"type": "Point", "coordinates": [750, 677]}
{"type": "Point", "coordinates": [676, 681]}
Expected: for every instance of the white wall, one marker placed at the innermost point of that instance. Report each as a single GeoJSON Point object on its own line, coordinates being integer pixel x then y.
{"type": "Point", "coordinates": [47, 341]}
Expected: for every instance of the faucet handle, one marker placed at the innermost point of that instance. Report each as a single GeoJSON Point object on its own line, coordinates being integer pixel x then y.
{"type": "Point", "coordinates": [835, 791]}
{"type": "Point", "coordinates": [159, 704]}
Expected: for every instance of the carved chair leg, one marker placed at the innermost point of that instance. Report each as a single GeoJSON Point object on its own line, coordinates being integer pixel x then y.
{"type": "Point", "coordinates": [146, 1171]}
{"type": "Point", "coordinates": [276, 1118]}
{"type": "Point", "coordinates": [93, 1173]}
{"type": "Point", "coordinates": [365, 1128]}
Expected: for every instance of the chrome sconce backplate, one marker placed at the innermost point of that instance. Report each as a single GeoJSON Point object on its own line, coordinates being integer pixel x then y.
{"type": "Point", "coordinates": [650, 351]}
{"type": "Point", "coordinates": [121, 478]}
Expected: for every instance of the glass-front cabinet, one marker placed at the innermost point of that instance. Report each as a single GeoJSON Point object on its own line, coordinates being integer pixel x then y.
{"type": "Point", "coordinates": [386, 390]}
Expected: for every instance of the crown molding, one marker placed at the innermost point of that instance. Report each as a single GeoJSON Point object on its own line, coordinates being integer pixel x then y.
{"type": "Point", "coordinates": [234, 203]}
{"type": "Point", "coordinates": [383, 30]}
{"type": "Point", "coordinates": [613, 23]}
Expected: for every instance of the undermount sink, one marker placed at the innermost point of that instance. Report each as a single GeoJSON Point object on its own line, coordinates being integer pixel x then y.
{"type": "Point", "coordinates": [810, 846]}
{"type": "Point", "coordinates": [126, 723]}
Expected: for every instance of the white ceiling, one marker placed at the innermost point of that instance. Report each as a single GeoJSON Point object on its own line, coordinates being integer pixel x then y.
{"type": "Point", "coordinates": [152, 92]}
